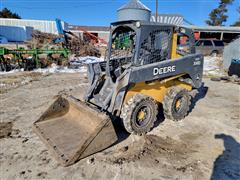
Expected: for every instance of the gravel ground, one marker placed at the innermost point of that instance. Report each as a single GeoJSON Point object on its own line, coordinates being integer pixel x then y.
{"type": "Point", "coordinates": [205, 145]}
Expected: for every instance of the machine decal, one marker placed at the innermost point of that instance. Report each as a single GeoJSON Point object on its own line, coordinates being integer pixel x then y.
{"type": "Point", "coordinates": [197, 63]}
{"type": "Point", "coordinates": [164, 70]}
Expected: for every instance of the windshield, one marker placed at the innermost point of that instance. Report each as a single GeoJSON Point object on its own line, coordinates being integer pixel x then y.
{"type": "Point", "coordinates": [218, 43]}
{"type": "Point", "coordinates": [123, 43]}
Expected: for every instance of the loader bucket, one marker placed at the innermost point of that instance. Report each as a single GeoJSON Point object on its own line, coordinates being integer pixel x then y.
{"type": "Point", "coordinates": [72, 130]}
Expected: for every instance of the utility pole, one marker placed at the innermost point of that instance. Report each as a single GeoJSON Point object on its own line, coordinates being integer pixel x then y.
{"type": "Point", "coordinates": [156, 10]}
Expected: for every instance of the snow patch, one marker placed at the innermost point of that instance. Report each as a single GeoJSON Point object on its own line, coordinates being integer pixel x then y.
{"type": "Point", "coordinates": [59, 69]}
{"type": "Point", "coordinates": [213, 66]}
{"type": "Point", "coordinates": [2, 85]}
{"type": "Point", "coordinates": [11, 72]}
{"type": "Point", "coordinates": [77, 65]}
{"type": "Point", "coordinates": [80, 61]}
{"type": "Point", "coordinates": [26, 80]}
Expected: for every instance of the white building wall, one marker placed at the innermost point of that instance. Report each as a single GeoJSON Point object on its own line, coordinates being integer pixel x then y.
{"type": "Point", "coordinates": [16, 33]}
{"type": "Point", "coordinates": [41, 25]}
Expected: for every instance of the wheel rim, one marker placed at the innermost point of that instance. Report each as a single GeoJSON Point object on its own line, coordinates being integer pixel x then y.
{"type": "Point", "coordinates": [179, 104]}
{"type": "Point", "coordinates": [142, 116]}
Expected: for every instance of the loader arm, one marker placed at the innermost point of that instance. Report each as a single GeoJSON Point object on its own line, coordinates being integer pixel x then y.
{"type": "Point", "coordinates": [191, 65]}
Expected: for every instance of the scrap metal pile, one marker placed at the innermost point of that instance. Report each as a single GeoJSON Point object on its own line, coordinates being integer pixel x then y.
{"type": "Point", "coordinates": [42, 51]}
{"type": "Point", "coordinates": [42, 40]}
{"type": "Point", "coordinates": [75, 44]}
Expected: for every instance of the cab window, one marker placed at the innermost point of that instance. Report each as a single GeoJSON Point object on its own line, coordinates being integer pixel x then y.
{"type": "Point", "coordinates": [207, 43]}
{"type": "Point", "coordinates": [199, 43]}
{"type": "Point", "coordinates": [218, 43]}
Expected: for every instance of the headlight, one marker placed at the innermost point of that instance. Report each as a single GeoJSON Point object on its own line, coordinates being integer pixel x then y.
{"type": "Point", "coordinates": [138, 24]}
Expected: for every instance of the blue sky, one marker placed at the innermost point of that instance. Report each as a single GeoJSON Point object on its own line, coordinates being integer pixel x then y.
{"type": "Point", "coordinates": [96, 12]}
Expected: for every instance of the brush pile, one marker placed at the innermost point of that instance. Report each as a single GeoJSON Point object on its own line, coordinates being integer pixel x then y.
{"type": "Point", "coordinates": [76, 45]}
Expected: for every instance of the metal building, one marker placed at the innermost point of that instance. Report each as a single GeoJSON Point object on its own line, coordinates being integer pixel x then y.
{"type": "Point", "coordinates": [134, 10]}
{"type": "Point", "coordinates": [16, 33]}
{"type": "Point", "coordinates": [41, 25]}
{"type": "Point", "coordinates": [224, 33]}
{"type": "Point", "coordinates": [175, 19]}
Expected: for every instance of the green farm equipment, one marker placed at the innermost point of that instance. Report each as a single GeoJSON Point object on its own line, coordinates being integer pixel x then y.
{"type": "Point", "coordinates": [29, 59]}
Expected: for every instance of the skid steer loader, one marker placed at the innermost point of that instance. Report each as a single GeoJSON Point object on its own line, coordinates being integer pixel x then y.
{"type": "Point", "coordinates": [145, 67]}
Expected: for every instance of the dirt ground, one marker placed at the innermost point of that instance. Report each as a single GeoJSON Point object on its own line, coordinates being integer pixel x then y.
{"type": "Point", "coordinates": [205, 145]}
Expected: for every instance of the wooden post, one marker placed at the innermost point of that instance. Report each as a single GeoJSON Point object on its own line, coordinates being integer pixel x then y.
{"type": "Point", "coordinates": [221, 38]}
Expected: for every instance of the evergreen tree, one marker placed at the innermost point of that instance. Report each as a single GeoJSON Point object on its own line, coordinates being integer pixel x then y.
{"type": "Point", "coordinates": [6, 13]}
{"type": "Point", "coordinates": [218, 15]}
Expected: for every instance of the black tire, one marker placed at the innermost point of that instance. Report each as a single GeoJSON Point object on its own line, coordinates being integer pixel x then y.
{"type": "Point", "coordinates": [131, 112]}
{"type": "Point", "coordinates": [25, 65]}
{"type": "Point", "coordinates": [176, 104]}
{"type": "Point", "coordinates": [2, 67]}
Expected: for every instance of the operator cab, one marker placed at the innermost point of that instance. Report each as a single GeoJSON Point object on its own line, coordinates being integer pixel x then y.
{"type": "Point", "coordinates": [122, 49]}
{"type": "Point", "coordinates": [138, 43]}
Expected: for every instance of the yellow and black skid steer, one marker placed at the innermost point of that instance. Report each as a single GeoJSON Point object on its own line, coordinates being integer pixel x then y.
{"type": "Point", "coordinates": [145, 67]}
